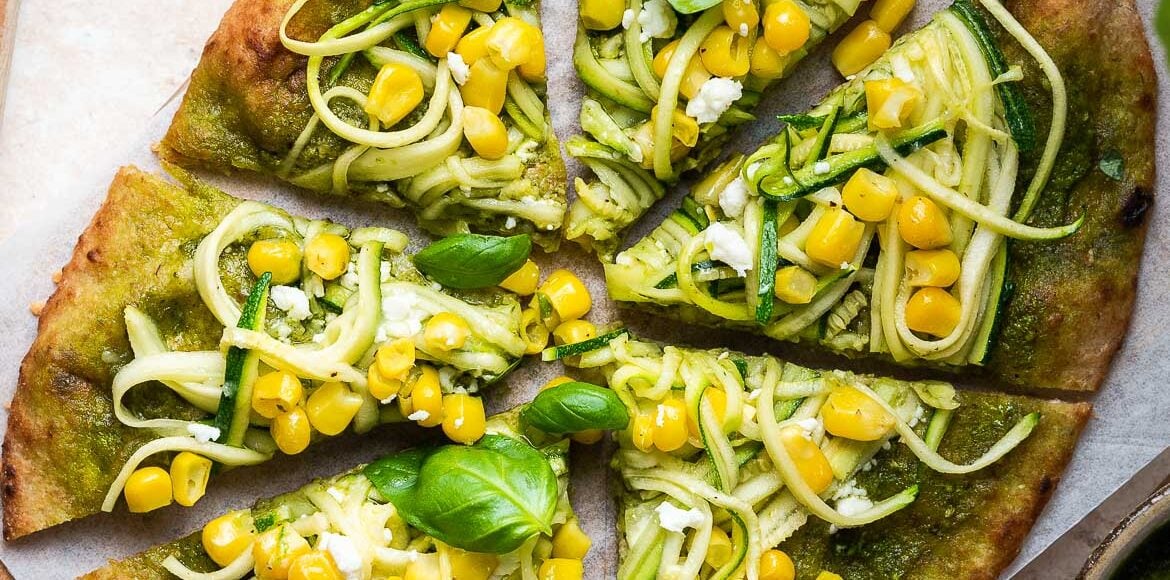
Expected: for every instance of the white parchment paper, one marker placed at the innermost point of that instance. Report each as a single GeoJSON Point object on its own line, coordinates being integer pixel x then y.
{"type": "Point", "coordinates": [1128, 429]}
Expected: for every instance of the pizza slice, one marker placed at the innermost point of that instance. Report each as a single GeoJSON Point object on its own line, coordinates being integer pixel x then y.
{"type": "Point", "coordinates": [920, 213]}
{"type": "Point", "coordinates": [707, 62]}
{"type": "Point", "coordinates": [496, 509]}
{"type": "Point", "coordinates": [386, 101]}
{"type": "Point", "coordinates": [193, 328]}
{"type": "Point", "coordinates": [737, 466]}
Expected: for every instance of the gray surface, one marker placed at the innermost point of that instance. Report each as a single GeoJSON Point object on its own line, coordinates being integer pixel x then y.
{"type": "Point", "coordinates": [1127, 431]}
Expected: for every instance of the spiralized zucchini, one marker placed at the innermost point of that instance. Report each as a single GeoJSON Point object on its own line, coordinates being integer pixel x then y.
{"type": "Point", "coordinates": [957, 147]}
{"type": "Point", "coordinates": [631, 152]}
{"type": "Point", "coordinates": [378, 299]}
{"type": "Point", "coordinates": [423, 161]}
{"type": "Point", "coordinates": [735, 471]}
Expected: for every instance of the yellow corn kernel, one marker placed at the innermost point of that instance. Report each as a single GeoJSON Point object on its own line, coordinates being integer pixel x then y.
{"type": "Point", "coordinates": [426, 396]}
{"type": "Point", "coordinates": [795, 285]}
{"type": "Point", "coordinates": [316, 565]}
{"type": "Point", "coordinates": [473, 45]}
{"type": "Point", "coordinates": [889, 14]}
{"type": "Point", "coordinates": [276, 549]}
{"type": "Point", "coordinates": [524, 280]}
{"type": "Point", "coordinates": [561, 569]}
{"type": "Point", "coordinates": [693, 78]}
{"type": "Point", "coordinates": [380, 387]}
{"type": "Point", "coordinates": [533, 331]}
{"type": "Point", "coordinates": [684, 128]}
{"type": "Point", "coordinates": [227, 536]}
{"type": "Point", "coordinates": [568, 295]}
{"type": "Point", "coordinates": [446, 29]}
{"type": "Point", "coordinates": [869, 196]}
{"type": "Point", "coordinates": [291, 431]}
{"type": "Point", "coordinates": [767, 64]}
{"type": "Point", "coordinates": [482, 5]}
{"type": "Point", "coordinates": [148, 489]}
{"type": "Point", "coordinates": [786, 26]}
{"type": "Point", "coordinates": [890, 102]}
{"type": "Point", "coordinates": [570, 541]}
{"type": "Point", "coordinates": [276, 393]}
{"type": "Point", "coordinates": [718, 399]}
{"type": "Point", "coordinates": [485, 132]}
{"type": "Point", "coordinates": [446, 331]}
{"type": "Point", "coordinates": [923, 224]}
{"type": "Point", "coordinates": [776, 565]}
{"type": "Point", "coordinates": [558, 381]}
{"type": "Point", "coordinates": [932, 268]}
{"type": "Point", "coordinates": [670, 424]}
{"type": "Point", "coordinates": [534, 68]}
{"type": "Point", "coordinates": [718, 549]}
{"type": "Point", "coordinates": [574, 331]}
{"type": "Point", "coordinates": [860, 48]}
{"type": "Point", "coordinates": [826, 575]}
{"type": "Point", "coordinates": [741, 15]}
{"type": "Point", "coordinates": [644, 138]}
{"type": "Point", "coordinates": [397, 90]}
{"type": "Point", "coordinates": [851, 414]}
{"type": "Point", "coordinates": [395, 359]}
{"type": "Point", "coordinates": [486, 86]}
{"type": "Point", "coordinates": [642, 431]}
{"type": "Point", "coordinates": [512, 42]}
{"type": "Point", "coordinates": [189, 474]}
{"type": "Point", "coordinates": [472, 565]}
{"type": "Point", "coordinates": [810, 461]}
{"type": "Point", "coordinates": [588, 436]}
{"type": "Point", "coordinates": [425, 567]}
{"type": "Point", "coordinates": [602, 14]}
{"type": "Point", "coordinates": [933, 311]}
{"type": "Point", "coordinates": [725, 53]}
{"type": "Point", "coordinates": [280, 257]}
{"type": "Point", "coordinates": [463, 418]}
{"type": "Point", "coordinates": [834, 239]}
{"type": "Point", "coordinates": [327, 255]}
{"type": "Point", "coordinates": [331, 407]}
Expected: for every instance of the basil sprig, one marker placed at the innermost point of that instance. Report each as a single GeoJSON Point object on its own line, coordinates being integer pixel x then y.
{"type": "Point", "coordinates": [692, 6]}
{"type": "Point", "coordinates": [468, 261]}
{"type": "Point", "coordinates": [575, 407]}
{"type": "Point", "coordinates": [489, 497]}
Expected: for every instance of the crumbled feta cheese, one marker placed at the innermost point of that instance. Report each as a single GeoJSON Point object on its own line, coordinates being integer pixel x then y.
{"type": "Point", "coordinates": [657, 20]}
{"type": "Point", "coordinates": [382, 188]}
{"type": "Point", "coordinates": [886, 446]}
{"type": "Point", "coordinates": [822, 167]}
{"type": "Point", "coordinates": [292, 300]}
{"type": "Point", "coordinates": [419, 415]}
{"type": "Point", "coordinates": [509, 223]}
{"type": "Point", "coordinates": [849, 488]}
{"type": "Point", "coordinates": [282, 328]}
{"type": "Point", "coordinates": [752, 169]}
{"type": "Point", "coordinates": [319, 338]}
{"type": "Point", "coordinates": [677, 520]}
{"type": "Point", "coordinates": [447, 378]}
{"type": "Point", "coordinates": [846, 265]}
{"type": "Point", "coordinates": [810, 425]}
{"type": "Point", "coordinates": [345, 554]}
{"type": "Point", "coordinates": [627, 19]}
{"type": "Point", "coordinates": [854, 505]}
{"type": "Point", "coordinates": [833, 529]}
{"type": "Point", "coordinates": [919, 415]}
{"type": "Point", "coordinates": [734, 197]}
{"type": "Point", "coordinates": [458, 67]}
{"type": "Point", "coordinates": [400, 317]}
{"type": "Point", "coordinates": [869, 465]}
{"type": "Point", "coordinates": [727, 245]}
{"type": "Point", "coordinates": [350, 278]}
{"type": "Point", "coordinates": [714, 98]}
{"type": "Point", "coordinates": [389, 399]}
{"type": "Point", "coordinates": [203, 433]}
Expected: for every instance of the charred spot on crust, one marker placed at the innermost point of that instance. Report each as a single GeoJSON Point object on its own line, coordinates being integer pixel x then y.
{"type": "Point", "coordinates": [9, 480]}
{"type": "Point", "coordinates": [1046, 485]}
{"type": "Point", "coordinates": [1133, 211]}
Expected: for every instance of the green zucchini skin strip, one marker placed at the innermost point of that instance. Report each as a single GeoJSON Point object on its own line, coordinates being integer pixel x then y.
{"type": "Point", "coordinates": [235, 405]}
{"type": "Point", "coordinates": [766, 268]}
{"type": "Point", "coordinates": [559, 352]}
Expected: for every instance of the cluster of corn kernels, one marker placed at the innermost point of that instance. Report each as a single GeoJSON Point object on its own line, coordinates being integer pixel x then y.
{"type": "Point", "coordinates": [491, 53]}
{"type": "Point", "coordinates": [865, 43]}
{"type": "Point", "coordinates": [567, 300]}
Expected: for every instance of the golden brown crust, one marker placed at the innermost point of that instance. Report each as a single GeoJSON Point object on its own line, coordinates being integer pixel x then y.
{"type": "Point", "coordinates": [63, 446]}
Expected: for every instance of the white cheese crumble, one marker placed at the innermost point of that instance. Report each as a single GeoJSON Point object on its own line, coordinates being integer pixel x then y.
{"type": "Point", "coordinates": [854, 505]}
{"type": "Point", "coordinates": [727, 245]}
{"type": "Point", "coordinates": [350, 278]}
{"type": "Point", "coordinates": [657, 20]}
{"type": "Point", "coordinates": [677, 520]}
{"type": "Point", "coordinates": [203, 433]}
{"type": "Point", "coordinates": [447, 378]}
{"type": "Point", "coordinates": [400, 317]}
{"type": "Point", "coordinates": [389, 399]}
{"type": "Point", "coordinates": [627, 19]}
{"type": "Point", "coordinates": [919, 415]}
{"type": "Point", "coordinates": [319, 338]}
{"type": "Point", "coordinates": [458, 67]}
{"type": "Point", "coordinates": [509, 223]}
{"type": "Point", "coordinates": [292, 300]}
{"type": "Point", "coordinates": [822, 167]}
{"type": "Point", "coordinates": [282, 328]}
{"type": "Point", "coordinates": [734, 197]}
{"type": "Point", "coordinates": [419, 415]}
{"type": "Point", "coordinates": [345, 554]}
{"type": "Point", "coordinates": [811, 426]}
{"type": "Point", "coordinates": [714, 98]}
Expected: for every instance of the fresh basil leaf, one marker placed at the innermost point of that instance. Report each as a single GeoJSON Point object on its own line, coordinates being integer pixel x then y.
{"type": "Point", "coordinates": [490, 497]}
{"type": "Point", "coordinates": [692, 6]}
{"type": "Point", "coordinates": [1162, 22]}
{"type": "Point", "coordinates": [472, 260]}
{"type": "Point", "coordinates": [1112, 164]}
{"type": "Point", "coordinates": [575, 407]}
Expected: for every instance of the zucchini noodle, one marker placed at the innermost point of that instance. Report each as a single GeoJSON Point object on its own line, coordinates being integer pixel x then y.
{"type": "Point", "coordinates": [688, 48]}
{"type": "Point", "coordinates": [146, 340]}
{"type": "Point", "coordinates": [171, 368]}
{"type": "Point", "coordinates": [238, 568]}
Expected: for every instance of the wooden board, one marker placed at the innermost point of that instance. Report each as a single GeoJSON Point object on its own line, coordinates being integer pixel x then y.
{"type": "Point", "coordinates": [8, 9]}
